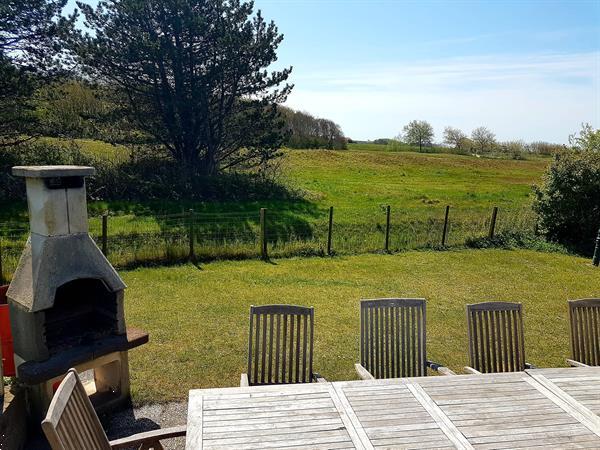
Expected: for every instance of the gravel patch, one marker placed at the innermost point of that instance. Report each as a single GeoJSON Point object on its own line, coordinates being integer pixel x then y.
{"type": "Point", "coordinates": [147, 418]}
{"type": "Point", "coordinates": [130, 421]}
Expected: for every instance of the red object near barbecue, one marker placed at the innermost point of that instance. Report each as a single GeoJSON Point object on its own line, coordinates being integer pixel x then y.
{"type": "Point", "coordinates": [8, 360]}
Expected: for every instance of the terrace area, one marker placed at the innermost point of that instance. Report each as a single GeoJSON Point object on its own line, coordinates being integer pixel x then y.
{"type": "Point", "coordinates": [209, 347]}
{"type": "Point", "coordinates": [317, 365]}
{"type": "Point", "coordinates": [299, 224]}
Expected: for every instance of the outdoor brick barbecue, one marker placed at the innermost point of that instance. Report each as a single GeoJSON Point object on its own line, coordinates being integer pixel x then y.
{"type": "Point", "coordinates": [65, 299]}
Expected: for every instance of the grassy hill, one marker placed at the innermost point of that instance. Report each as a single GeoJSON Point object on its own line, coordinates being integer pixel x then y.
{"type": "Point", "coordinates": [368, 174]}
{"type": "Point", "coordinates": [359, 178]}
{"type": "Point", "coordinates": [358, 183]}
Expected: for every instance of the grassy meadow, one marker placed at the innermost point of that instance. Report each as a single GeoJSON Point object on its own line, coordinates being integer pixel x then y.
{"type": "Point", "coordinates": [414, 181]}
{"type": "Point", "coordinates": [367, 175]}
{"type": "Point", "coordinates": [197, 317]}
{"type": "Point", "coordinates": [358, 183]}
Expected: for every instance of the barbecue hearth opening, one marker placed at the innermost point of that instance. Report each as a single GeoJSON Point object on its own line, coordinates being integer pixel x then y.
{"type": "Point", "coordinates": [84, 311]}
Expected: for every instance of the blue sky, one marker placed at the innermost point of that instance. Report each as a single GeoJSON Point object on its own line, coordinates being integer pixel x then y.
{"type": "Point", "coordinates": [525, 69]}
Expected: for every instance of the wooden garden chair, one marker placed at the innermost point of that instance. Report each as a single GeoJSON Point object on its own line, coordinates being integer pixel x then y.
{"type": "Point", "coordinates": [584, 317]}
{"type": "Point", "coordinates": [280, 346]}
{"type": "Point", "coordinates": [496, 341]}
{"type": "Point", "coordinates": [393, 340]}
{"type": "Point", "coordinates": [72, 424]}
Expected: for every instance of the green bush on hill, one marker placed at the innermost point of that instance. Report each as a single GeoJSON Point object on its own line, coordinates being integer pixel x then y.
{"type": "Point", "coordinates": [144, 176]}
{"type": "Point", "coordinates": [34, 154]}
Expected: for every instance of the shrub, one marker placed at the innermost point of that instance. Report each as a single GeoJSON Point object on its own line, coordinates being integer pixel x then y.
{"type": "Point", "coordinates": [148, 175]}
{"type": "Point", "coordinates": [513, 149]}
{"type": "Point", "coordinates": [545, 148]}
{"type": "Point", "coordinates": [514, 239]}
{"type": "Point", "coordinates": [382, 141]}
{"type": "Point", "coordinates": [34, 154]}
{"type": "Point", "coordinates": [568, 202]}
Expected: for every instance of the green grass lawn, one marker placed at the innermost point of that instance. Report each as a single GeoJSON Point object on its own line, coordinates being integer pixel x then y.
{"type": "Point", "coordinates": [198, 317]}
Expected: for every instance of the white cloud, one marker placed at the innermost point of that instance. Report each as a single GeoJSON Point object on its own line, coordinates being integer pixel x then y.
{"type": "Point", "coordinates": [536, 97]}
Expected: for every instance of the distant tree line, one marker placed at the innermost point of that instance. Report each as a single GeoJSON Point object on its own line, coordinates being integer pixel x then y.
{"type": "Point", "coordinates": [77, 109]}
{"type": "Point", "coordinates": [567, 201]}
{"type": "Point", "coordinates": [481, 141]}
{"type": "Point", "coordinates": [306, 131]}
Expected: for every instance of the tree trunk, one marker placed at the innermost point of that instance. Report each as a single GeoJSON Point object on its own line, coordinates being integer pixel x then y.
{"type": "Point", "coordinates": [190, 163]}
{"type": "Point", "coordinates": [207, 165]}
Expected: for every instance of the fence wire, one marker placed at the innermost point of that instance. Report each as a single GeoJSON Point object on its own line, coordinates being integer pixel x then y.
{"type": "Point", "coordinates": [140, 239]}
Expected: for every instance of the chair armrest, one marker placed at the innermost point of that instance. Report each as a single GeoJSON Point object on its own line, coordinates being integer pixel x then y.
{"type": "Point", "coordinates": [318, 378]}
{"type": "Point", "coordinates": [530, 366]}
{"type": "Point", "coordinates": [574, 363]}
{"type": "Point", "coordinates": [439, 368]}
{"type": "Point", "coordinates": [471, 371]}
{"type": "Point", "coordinates": [244, 380]}
{"type": "Point", "coordinates": [363, 373]}
{"type": "Point", "coordinates": [148, 437]}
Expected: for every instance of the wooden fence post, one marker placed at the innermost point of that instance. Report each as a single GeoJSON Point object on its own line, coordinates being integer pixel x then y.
{"type": "Point", "coordinates": [330, 231]}
{"type": "Point", "coordinates": [388, 211]}
{"type": "Point", "coordinates": [596, 260]}
{"type": "Point", "coordinates": [493, 223]}
{"type": "Point", "coordinates": [445, 232]}
{"type": "Point", "coordinates": [263, 234]}
{"type": "Point", "coordinates": [105, 233]}
{"type": "Point", "coordinates": [192, 254]}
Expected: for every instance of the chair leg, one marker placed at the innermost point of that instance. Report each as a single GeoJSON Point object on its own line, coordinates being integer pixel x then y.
{"type": "Point", "coordinates": [471, 371]}
{"type": "Point", "coordinates": [574, 363]}
{"type": "Point", "coordinates": [363, 373]}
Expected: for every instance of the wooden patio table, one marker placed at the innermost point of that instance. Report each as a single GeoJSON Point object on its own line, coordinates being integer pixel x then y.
{"type": "Point", "coordinates": [541, 408]}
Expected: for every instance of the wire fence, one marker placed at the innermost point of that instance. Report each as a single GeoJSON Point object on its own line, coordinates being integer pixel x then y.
{"type": "Point", "coordinates": [130, 240]}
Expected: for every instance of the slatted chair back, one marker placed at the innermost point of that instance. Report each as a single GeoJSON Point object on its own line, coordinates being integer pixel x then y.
{"type": "Point", "coordinates": [495, 332]}
{"type": "Point", "coordinates": [71, 422]}
{"type": "Point", "coordinates": [280, 345]}
{"type": "Point", "coordinates": [584, 316]}
{"type": "Point", "coordinates": [393, 337]}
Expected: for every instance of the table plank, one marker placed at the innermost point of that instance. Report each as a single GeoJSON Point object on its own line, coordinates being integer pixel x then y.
{"type": "Point", "coordinates": [539, 408]}
{"type": "Point", "coordinates": [269, 417]}
{"type": "Point", "coordinates": [506, 411]}
{"type": "Point", "coordinates": [395, 413]}
{"type": "Point", "coordinates": [580, 383]}
{"type": "Point", "coordinates": [356, 426]}
{"type": "Point", "coordinates": [449, 429]}
{"type": "Point", "coordinates": [194, 421]}
{"type": "Point", "coordinates": [561, 385]}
